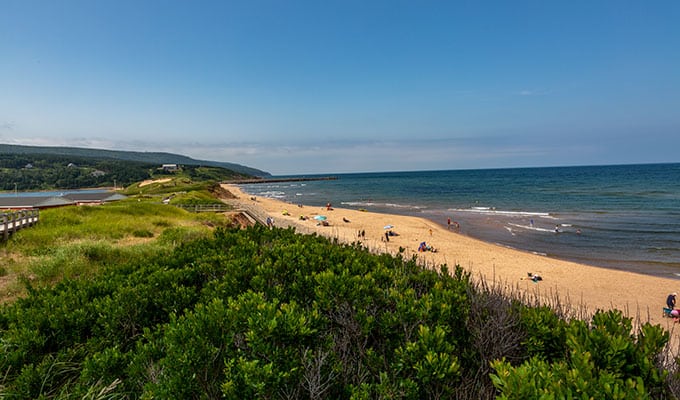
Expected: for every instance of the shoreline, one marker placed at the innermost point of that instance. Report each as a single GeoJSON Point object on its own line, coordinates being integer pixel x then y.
{"type": "Point", "coordinates": [577, 285]}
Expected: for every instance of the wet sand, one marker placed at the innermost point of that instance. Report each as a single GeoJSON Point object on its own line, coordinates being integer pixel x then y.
{"type": "Point", "coordinates": [586, 288]}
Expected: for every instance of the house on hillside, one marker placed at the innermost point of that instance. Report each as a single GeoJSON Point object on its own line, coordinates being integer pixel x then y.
{"type": "Point", "coordinates": [170, 167]}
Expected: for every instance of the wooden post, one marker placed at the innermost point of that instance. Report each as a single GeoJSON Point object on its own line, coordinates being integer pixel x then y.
{"type": "Point", "coordinates": [5, 231]}
{"type": "Point", "coordinates": [13, 217]}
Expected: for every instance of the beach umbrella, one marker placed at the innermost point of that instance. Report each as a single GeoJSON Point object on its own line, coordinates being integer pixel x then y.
{"type": "Point", "coordinates": [320, 218]}
{"type": "Point", "coordinates": [389, 226]}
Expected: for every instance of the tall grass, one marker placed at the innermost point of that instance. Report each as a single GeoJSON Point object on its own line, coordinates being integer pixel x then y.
{"type": "Point", "coordinates": [80, 241]}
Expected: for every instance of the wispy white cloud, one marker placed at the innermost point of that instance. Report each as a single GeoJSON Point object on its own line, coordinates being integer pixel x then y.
{"type": "Point", "coordinates": [533, 92]}
{"type": "Point", "coordinates": [282, 158]}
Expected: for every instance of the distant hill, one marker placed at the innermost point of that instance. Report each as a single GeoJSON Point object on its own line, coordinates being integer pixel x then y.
{"type": "Point", "coordinates": [146, 157]}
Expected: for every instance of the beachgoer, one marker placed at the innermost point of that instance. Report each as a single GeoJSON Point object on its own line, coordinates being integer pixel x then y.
{"type": "Point", "coordinates": [670, 300]}
{"type": "Point", "coordinates": [387, 236]}
{"type": "Point", "coordinates": [557, 229]}
{"type": "Point", "coordinates": [531, 223]}
{"type": "Point", "coordinates": [269, 222]}
{"type": "Point", "coordinates": [448, 223]}
{"type": "Point", "coordinates": [578, 231]}
{"type": "Point", "coordinates": [534, 277]}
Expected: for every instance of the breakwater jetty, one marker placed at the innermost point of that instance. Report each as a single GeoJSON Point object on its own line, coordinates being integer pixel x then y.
{"type": "Point", "coordinates": [276, 180]}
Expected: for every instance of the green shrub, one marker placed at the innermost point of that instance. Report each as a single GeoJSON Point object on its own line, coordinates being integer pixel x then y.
{"type": "Point", "coordinates": [604, 361]}
{"type": "Point", "coordinates": [142, 233]}
{"type": "Point", "coordinates": [267, 313]}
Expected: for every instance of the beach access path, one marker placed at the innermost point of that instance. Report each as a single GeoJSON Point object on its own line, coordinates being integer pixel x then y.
{"type": "Point", "coordinates": [584, 288]}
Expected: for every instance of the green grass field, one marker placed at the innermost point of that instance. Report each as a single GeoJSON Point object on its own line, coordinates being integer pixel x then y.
{"type": "Point", "coordinates": [80, 241]}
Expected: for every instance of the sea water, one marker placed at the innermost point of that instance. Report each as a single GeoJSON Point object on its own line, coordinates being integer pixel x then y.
{"type": "Point", "coordinates": [624, 217]}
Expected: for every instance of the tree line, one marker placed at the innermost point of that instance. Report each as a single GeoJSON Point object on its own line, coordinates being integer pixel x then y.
{"type": "Point", "coordinates": [24, 172]}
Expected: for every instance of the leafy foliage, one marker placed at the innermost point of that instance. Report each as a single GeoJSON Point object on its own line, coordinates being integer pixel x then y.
{"type": "Point", "coordinates": [45, 171]}
{"type": "Point", "coordinates": [54, 171]}
{"type": "Point", "coordinates": [267, 313]}
{"type": "Point", "coordinates": [603, 362]}
{"type": "Point", "coordinates": [156, 158]}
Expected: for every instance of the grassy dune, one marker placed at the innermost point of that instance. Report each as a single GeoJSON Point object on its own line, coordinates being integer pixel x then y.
{"type": "Point", "coordinates": [80, 241]}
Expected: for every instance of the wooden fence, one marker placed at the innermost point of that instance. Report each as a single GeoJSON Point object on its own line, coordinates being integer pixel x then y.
{"type": "Point", "coordinates": [12, 221]}
{"type": "Point", "coordinates": [205, 207]}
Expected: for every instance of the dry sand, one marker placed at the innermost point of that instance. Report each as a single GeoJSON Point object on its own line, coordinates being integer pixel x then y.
{"type": "Point", "coordinates": [585, 287]}
{"type": "Point", "coordinates": [150, 181]}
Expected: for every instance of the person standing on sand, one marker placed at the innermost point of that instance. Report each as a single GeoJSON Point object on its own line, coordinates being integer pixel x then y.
{"type": "Point", "coordinates": [670, 300]}
{"type": "Point", "coordinates": [448, 223]}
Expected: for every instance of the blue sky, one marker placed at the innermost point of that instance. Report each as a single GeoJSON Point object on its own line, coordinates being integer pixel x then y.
{"type": "Point", "coordinates": [301, 87]}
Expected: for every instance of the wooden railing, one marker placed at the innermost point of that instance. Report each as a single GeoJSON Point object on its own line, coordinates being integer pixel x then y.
{"type": "Point", "coordinates": [12, 221]}
{"type": "Point", "coordinates": [205, 207]}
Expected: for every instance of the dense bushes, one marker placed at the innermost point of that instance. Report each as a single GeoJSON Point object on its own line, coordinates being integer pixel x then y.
{"type": "Point", "coordinates": [271, 314]}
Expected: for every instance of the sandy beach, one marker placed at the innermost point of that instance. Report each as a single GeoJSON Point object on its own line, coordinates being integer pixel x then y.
{"type": "Point", "coordinates": [584, 287]}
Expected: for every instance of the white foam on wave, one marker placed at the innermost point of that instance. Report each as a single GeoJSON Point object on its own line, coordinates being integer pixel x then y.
{"type": "Point", "coordinates": [394, 205]}
{"type": "Point", "coordinates": [277, 194]}
{"type": "Point", "coordinates": [357, 203]}
{"type": "Point", "coordinates": [533, 228]}
{"type": "Point", "coordinates": [373, 204]}
{"type": "Point", "coordinates": [490, 210]}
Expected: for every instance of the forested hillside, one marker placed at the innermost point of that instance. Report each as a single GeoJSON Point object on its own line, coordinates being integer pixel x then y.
{"type": "Point", "coordinates": [270, 314]}
{"type": "Point", "coordinates": [138, 156]}
{"type": "Point", "coordinates": [26, 172]}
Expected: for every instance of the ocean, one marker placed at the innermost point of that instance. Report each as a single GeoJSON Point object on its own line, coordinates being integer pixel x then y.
{"type": "Point", "coordinates": [624, 217]}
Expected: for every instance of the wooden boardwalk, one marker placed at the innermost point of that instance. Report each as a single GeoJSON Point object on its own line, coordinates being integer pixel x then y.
{"type": "Point", "coordinates": [12, 221]}
{"type": "Point", "coordinates": [219, 207]}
